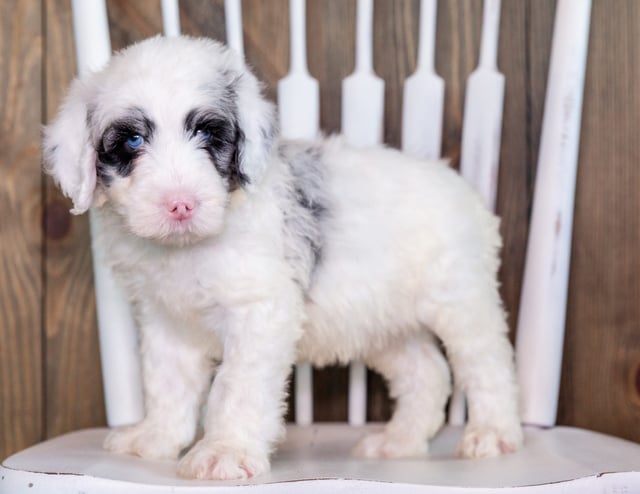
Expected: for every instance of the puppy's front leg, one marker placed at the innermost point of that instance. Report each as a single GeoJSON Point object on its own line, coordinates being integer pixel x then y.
{"type": "Point", "coordinates": [176, 372]}
{"type": "Point", "coordinates": [246, 403]}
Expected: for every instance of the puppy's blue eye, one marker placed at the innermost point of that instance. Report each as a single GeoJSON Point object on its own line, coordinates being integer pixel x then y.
{"type": "Point", "coordinates": [203, 134]}
{"type": "Point", "coordinates": [135, 141]}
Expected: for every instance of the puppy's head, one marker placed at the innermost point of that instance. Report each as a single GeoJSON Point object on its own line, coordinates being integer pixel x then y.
{"type": "Point", "coordinates": [163, 135]}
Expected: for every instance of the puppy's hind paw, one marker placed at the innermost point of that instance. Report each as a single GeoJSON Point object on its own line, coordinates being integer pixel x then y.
{"type": "Point", "coordinates": [385, 445]}
{"type": "Point", "coordinates": [213, 460]}
{"type": "Point", "coordinates": [489, 442]}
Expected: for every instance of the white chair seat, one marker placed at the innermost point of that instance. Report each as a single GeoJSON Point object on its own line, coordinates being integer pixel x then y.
{"type": "Point", "coordinates": [316, 459]}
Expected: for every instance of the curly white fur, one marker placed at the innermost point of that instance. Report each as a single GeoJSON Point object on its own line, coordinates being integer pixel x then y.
{"type": "Point", "coordinates": [242, 252]}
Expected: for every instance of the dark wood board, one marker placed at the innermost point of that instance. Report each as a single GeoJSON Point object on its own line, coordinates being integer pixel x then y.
{"type": "Point", "coordinates": [21, 290]}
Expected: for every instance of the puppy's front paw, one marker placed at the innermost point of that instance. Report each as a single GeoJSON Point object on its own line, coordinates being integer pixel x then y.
{"type": "Point", "coordinates": [488, 442]}
{"type": "Point", "coordinates": [216, 460]}
{"type": "Point", "coordinates": [144, 440]}
{"type": "Point", "coordinates": [385, 445]}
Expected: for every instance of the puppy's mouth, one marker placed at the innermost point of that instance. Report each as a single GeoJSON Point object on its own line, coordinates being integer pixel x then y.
{"type": "Point", "coordinates": [177, 231]}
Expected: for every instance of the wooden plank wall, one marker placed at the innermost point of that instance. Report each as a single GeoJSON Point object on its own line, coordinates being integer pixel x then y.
{"type": "Point", "coordinates": [22, 405]}
{"type": "Point", "coordinates": [49, 358]}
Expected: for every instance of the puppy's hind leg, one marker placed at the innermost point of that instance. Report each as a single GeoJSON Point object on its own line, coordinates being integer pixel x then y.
{"type": "Point", "coordinates": [470, 321]}
{"type": "Point", "coordinates": [419, 381]}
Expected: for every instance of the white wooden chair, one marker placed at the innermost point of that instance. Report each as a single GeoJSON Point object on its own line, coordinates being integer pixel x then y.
{"type": "Point", "coordinates": [315, 457]}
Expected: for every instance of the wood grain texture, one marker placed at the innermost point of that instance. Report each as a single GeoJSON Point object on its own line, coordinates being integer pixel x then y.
{"type": "Point", "coordinates": [133, 21]}
{"type": "Point", "coordinates": [331, 32]}
{"type": "Point", "coordinates": [21, 359]}
{"type": "Point", "coordinates": [599, 386]}
{"type": "Point", "coordinates": [47, 304]}
{"type": "Point", "coordinates": [266, 40]}
{"type": "Point", "coordinates": [199, 18]}
{"type": "Point", "coordinates": [457, 42]}
{"type": "Point", "coordinates": [525, 36]}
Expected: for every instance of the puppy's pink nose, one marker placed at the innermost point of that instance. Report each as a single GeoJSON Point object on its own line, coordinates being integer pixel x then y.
{"type": "Point", "coordinates": [180, 208]}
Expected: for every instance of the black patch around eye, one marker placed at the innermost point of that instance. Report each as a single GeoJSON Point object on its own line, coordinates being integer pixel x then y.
{"type": "Point", "coordinates": [220, 138]}
{"type": "Point", "coordinates": [115, 156]}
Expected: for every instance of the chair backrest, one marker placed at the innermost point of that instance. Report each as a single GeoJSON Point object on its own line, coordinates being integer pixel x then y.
{"type": "Point", "coordinates": [541, 320]}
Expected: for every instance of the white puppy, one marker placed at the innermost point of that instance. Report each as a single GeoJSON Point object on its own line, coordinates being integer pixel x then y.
{"type": "Point", "coordinates": [242, 253]}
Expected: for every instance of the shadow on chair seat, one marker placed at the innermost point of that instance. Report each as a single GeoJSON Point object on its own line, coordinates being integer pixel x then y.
{"type": "Point", "coordinates": [316, 459]}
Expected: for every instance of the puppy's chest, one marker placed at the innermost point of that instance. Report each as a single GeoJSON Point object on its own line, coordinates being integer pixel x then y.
{"type": "Point", "coordinates": [182, 293]}
{"type": "Point", "coordinates": [180, 286]}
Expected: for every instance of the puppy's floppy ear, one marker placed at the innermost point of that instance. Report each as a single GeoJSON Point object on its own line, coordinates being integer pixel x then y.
{"type": "Point", "coordinates": [256, 128]}
{"type": "Point", "coordinates": [68, 154]}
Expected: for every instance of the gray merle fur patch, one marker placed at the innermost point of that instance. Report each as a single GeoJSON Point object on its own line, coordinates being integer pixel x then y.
{"type": "Point", "coordinates": [306, 207]}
